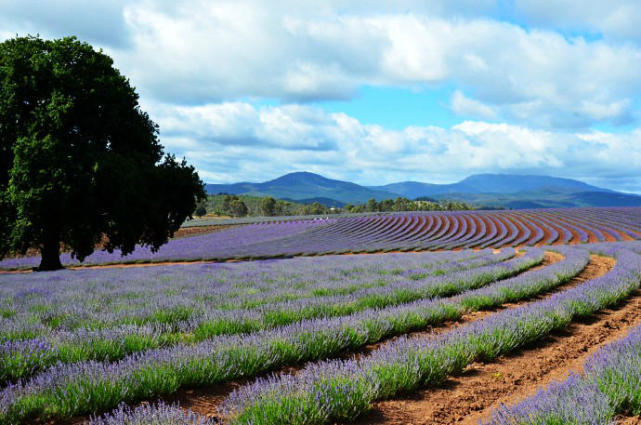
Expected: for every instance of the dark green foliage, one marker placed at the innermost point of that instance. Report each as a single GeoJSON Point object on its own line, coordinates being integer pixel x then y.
{"type": "Point", "coordinates": [237, 208]}
{"type": "Point", "coordinates": [234, 206]}
{"type": "Point", "coordinates": [268, 206]}
{"type": "Point", "coordinates": [80, 159]}
{"type": "Point", "coordinates": [227, 200]}
{"type": "Point", "coordinates": [404, 204]}
{"type": "Point", "coordinates": [220, 204]}
{"type": "Point", "coordinates": [315, 208]}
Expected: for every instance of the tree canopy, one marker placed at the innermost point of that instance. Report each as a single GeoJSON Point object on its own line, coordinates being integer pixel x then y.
{"type": "Point", "coordinates": [268, 206]}
{"type": "Point", "coordinates": [80, 161]}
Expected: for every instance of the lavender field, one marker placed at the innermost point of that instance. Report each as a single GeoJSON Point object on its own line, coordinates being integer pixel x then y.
{"type": "Point", "coordinates": [241, 212]}
{"type": "Point", "coordinates": [381, 233]}
{"type": "Point", "coordinates": [92, 344]}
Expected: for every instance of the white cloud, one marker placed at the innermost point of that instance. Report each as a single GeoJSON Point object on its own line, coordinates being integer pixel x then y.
{"type": "Point", "coordinates": [203, 67]}
{"type": "Point", "coordinates": [615, 19]}
{"type": "Point", "coordinates": [225, 51]}
{"type": "Point", "coordinates": [199, 52]}
{"type": "Point", "coordinates": [463, 105]}
{"type": "Point", "coordinates": [280, 139]}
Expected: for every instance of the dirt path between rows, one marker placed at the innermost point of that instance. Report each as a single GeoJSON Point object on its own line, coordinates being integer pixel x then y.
{"type": "Point", "coordinates": [467, 398]}
{"type": "Point", "coordinates": [624, 420]}
{"type": "Point", "coordinates": [470, 397]}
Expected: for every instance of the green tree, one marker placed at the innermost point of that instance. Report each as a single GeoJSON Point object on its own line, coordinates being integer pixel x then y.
{"type": "Point", "coordinates": [201, 208]}
{"type": "Point", "coordinates": [386, 205]}
{"type": "Point", "coordinates": [282, 207]}
{"type": "Point", "coordinates": [372, 205]}
{"type": "Point", "coordinates": [316, 208]}
{"type": "Point", "coordinates": [227, 200]}
{"type": "Point", "coordinates": [238, 208]}
{"type": "Point", "coordinates": [268, 206]}
{"type": "Point", "coordinates": [79, 159]}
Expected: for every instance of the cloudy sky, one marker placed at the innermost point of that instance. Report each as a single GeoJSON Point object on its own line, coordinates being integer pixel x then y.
{"type": "Point", "coordinates": [375, 91]}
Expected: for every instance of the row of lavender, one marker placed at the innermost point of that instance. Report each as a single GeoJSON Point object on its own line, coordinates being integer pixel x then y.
{"type": "Point", "coordinates": [65, 390]}
{"type": "Point", "coordinates": [118, 318]}
{"type": "Point", "coordinates": [339, 390]}
{"type": "Point", "coordinates": [464, 229]}
{"type": "Point", "coordinates": [609, 385]}
{"type": "Point", "coordinates": [35, 304]}
{"type": "Point", "coordinates": [403, 231]}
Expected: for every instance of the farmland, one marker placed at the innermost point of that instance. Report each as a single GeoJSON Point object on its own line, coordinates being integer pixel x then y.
{"type": "Point", "coordinates": [301, 332]}
{"type": "Point", "coordinates": [381, 233]}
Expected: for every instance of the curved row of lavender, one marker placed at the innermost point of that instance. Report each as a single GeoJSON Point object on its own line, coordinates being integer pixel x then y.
{"type": "Point", "coordinates": [137, 316]}
{"type": "Point", "coordinates": [340, 390]}
{"type": "Point", "coordinates": [83, 387]}
{"type": "Point", "coordinates": [95, 299]}
{"type": "Point", "coordinates": [401, 231]}
{"type": "Point", "coordinates": [609, 385]}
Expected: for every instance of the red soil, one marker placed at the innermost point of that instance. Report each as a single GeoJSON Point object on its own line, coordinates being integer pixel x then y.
{"type": "Point", "coordinates": [550, 258]}
{"type": "Point", "coordinates": [628, 420]}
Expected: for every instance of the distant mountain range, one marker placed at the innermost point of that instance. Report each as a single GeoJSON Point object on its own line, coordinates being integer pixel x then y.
{"type": "Point", "coordinates": [490, 183]}
{"type": "Point", "coordinates": [489, 190]}
{"type": "Point", "coordinates": [301, 186]}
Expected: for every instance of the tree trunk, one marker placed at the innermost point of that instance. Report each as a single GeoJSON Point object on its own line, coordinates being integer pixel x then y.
{"type": "Point", "coordinates": [50, 253]}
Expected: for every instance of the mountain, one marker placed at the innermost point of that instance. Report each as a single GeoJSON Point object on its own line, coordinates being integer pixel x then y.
{"type": "Point", "coordinates": [490, 183]}
{"type": "Point", "coordinates": [485, 190]}
{"type": "Point", "coordinates": [600, 199]}
{"type": "Point", "coordinates": [547, 198]}
{"type": "Point", "coordinates": [304, 186]}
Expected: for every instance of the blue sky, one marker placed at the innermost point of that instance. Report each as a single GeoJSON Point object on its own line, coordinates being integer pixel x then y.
{"type": "Point", "coordinates": [375, 91]}
{"type": "Point", "coordinates": [398, 107]}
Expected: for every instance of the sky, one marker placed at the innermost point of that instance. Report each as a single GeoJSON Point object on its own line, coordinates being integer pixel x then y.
{"type": "Point", "coordinates": [375, 91]}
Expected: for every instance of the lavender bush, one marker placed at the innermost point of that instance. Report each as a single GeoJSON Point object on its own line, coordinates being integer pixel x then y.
{"type": "Point", "coordinates": [150, 414]}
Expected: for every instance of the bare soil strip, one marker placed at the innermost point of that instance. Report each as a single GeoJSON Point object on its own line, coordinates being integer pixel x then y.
{"type": "Point", "coordinates": [627, 420]}
{"type": "Point", "coordinates": [466, 398]}
{"type": "Point", "coordinates": [200, 230]}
